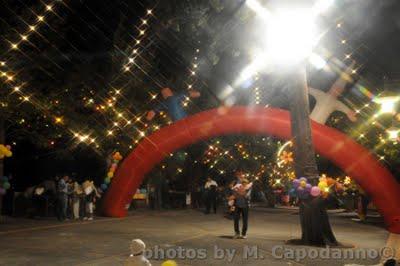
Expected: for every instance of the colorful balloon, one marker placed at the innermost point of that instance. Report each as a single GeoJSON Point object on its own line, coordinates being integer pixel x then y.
{"type": "Point", "coordinates": [104, 186]}
{"type": "Point", "coordinates": [308, 187]}
{"type": "Point", "coordinates": [303, 184]}
{"type": "Point", "coordinates": [296, 183]}
{"type": "Point", "coordinates": [315, 191]}
{"type": "Point", "coordinates": [339, 187]}
{"type": "Point", "coordinates": [107, 180]}
{"type": "Point", "coordinates": [330, 181]}
{"type": "Point", "coordinates": [2, 191]}
{"type": "Point", "coordinates": [303, 179]}
{"type": "Point", "coordinates": [322, 185]}
{"type": "Point", "coordinates": [169, 263]}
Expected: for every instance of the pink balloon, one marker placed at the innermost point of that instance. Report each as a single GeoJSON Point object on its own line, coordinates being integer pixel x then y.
{"type": "Point", "coordinates": [315, 191]}
{"type": "Point", "coordinates": [2, 191]}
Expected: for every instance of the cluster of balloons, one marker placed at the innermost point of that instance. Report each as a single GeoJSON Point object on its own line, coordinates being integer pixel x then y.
{"type": "Point", "coordinates": [302, 189]}
{"type": "Point", "coordinates": [4, 185]}
{"type": "Point", "coordinates": [117, 157]}
{"type": "Point", "coordinates": [5, 151]}
{"type": "Point", "coordinates": [327, 184]}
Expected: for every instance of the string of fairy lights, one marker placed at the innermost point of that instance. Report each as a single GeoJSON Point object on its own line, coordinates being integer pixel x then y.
{"type": "Point", "coordinates": [34, 27]}
{"type": "Point", "coordinates": [387, 105]}
{"type": "Point", "coordinates": [141, 28]}
{"type": "Point", "coordinates": [18, 86]}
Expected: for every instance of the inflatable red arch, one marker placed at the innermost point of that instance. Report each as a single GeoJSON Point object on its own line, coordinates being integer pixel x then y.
{"type": "Point", "coordinates": [351, 157]}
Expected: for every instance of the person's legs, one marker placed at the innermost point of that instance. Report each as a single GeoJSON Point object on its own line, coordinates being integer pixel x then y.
{"type": "Point", "coordinates": [90, 209]}
{"type": "Point", "coordinates": [61, 207]}
{"type": "Point", "coordinates": [236, 218]}
{"type": "Point", "coordinates": [58, 207]}
{"type": "Point", "coordinates": [64, 206]}
{"type": "Point", "coordinates": [208, 204]}
{"type": "Point", "coordinates": [364, 205]}
{"type": "Point", "coordinates": [245, 215]}
{"type": "Point", "coordinates": [76, 208]}
{"type": "Point", "coordinates": [215, 204]}
{"type": "Point", "coordinates": [82, 207]}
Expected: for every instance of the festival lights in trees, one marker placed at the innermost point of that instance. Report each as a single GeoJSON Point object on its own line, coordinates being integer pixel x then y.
{"type": "Point", "coordinates": [121, 118]}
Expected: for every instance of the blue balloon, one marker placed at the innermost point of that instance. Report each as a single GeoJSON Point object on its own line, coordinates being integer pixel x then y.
{"type": "Point", "coordinates": [104, 186]}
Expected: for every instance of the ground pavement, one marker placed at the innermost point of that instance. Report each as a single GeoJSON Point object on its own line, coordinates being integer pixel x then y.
{"type": "Point", "coordinates": [182, 233]}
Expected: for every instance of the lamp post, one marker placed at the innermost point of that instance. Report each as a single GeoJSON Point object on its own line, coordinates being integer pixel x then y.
{"type": "Point", "coordinates": [290, 39]}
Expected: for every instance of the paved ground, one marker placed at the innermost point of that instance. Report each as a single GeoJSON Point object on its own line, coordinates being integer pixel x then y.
{"type": "Point", "coordinates": [105, 241]}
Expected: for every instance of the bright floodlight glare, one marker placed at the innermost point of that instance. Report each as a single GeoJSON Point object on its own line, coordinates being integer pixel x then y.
{"type": "Point", "coordinates": [317, 61]}
{"type": "Point", "coordinates": [388, 104]}
{"type": "Point", "coordinates": [393, 133]}
{"type": "Point", "coordinates": [290, 36]}
{"type": "Point", "coordinates": [258, 9]}
{"type": "Point", "coordinates": [321, 6]}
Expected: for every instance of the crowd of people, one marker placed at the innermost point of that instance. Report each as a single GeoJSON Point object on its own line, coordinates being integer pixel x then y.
{"type": "Point", "coordinates": [74, 200]}
{"type": "Point", "coordinates": [64, 197]}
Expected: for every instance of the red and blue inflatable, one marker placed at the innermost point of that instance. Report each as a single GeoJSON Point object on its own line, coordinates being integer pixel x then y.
{"type": "Point", "coordinates": [351, 157]}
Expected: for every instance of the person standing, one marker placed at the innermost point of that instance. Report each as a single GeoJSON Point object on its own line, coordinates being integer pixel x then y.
{"type": "Point", "coordinates": [70, 209]}
{"type": "Point", "coordinates": [62, 199]}
{"type": "Point", "coordinates": [241, 204]}
{"type": "Point", "coordinates": [90, 198]}
{"type": "Point", "coordinates": [211, 195]}
{"type": "Point", "coordinates": [76, 199]}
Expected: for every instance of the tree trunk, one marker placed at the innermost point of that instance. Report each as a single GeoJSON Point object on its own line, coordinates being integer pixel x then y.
{"type": "Point", "coordinates": [315, 226]}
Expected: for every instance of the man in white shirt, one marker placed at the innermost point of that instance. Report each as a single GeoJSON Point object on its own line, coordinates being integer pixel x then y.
{"type": "Point", "coordinates": [328, 102]}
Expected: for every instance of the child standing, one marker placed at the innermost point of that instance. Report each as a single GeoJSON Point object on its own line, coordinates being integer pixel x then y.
{"type": "Point", "coordinates": [137, 257]}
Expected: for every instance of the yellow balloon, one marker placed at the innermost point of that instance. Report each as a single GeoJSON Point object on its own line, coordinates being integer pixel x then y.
{"type": "Point", "coordinates": [110, 174]}
{"type": "Point", "coordinates": [322, 185]}
{"type": "Point", "coordinates": [3, 149]}
{"type": "Point", "coordinates": [169, 263]}
{"type": "Point", "coordinates": [8, 154]}
{"type": "Point", "coordinates": [303, 183]}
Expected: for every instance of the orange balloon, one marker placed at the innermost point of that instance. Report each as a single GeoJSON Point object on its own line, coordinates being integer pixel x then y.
{"type": "Point", "coordinates": [330, 181]}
